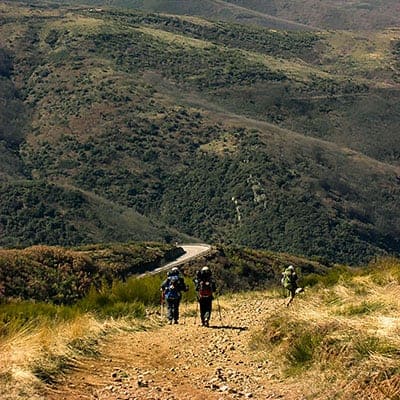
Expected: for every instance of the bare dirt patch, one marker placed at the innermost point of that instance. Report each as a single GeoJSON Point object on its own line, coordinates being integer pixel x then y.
{"type": "Point", "coordinates": [179, 362]}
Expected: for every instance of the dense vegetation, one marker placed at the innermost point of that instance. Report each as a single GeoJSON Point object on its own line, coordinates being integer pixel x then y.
{"type": "Point", "coordinates": [277, 14]}
{"type": "Point", "coordinates": [35, 212]}
{"type": "Point", "coordinates": [229, 133]}
{"type": "Point", "coordinates": [63, 276]}
{"type": "Point", "coordinates": [12, 119]}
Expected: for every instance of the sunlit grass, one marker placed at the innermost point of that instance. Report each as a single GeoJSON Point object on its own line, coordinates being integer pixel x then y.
{"type": "Point", "coordinates": [174, 38]}
{"type": "Point", "coordinates": [39, 352]}
{"type": "Point", "coordinates": [346, 334]}
{"type": "Point", "coordinates": [76, 24]}
{"type": "Point", "coordinates": [39, 341]}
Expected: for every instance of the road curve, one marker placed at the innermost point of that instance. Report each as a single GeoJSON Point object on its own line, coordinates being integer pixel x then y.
{"type": "Point", "coordinates": [191, 251]}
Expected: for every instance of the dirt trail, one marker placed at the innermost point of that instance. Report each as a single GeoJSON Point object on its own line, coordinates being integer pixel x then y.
{"type": "Point", "coordinates": [184, 361]}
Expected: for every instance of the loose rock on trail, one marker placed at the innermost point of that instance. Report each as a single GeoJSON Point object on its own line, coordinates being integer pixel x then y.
{"type": "Point", "coordinates": [184, 361]}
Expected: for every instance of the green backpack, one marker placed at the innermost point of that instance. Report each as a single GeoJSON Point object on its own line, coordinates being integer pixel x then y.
{"type": "Point", "coordinates": [288, 279]}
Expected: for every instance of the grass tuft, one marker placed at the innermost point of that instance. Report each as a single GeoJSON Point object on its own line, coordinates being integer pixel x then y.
{"type": "Point", "coordinates": [345, 335]}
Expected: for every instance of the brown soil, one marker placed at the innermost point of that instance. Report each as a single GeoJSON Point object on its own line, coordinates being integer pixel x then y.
{"type": "Point", "coordinates": [184, 361]}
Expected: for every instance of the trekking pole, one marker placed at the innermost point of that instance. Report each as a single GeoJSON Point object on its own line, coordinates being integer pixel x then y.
{"type": "Point", "coordinates": [162, 304]}
{"type": "Point", "coordinates": [219, 310]}
{"type": "Point", "coordinates": [197, 311]}
{"type": "Point", "coordinates": [185, 308]}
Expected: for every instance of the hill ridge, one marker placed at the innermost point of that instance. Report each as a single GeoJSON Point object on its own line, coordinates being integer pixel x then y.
{"type": "Point", "coordinates": [242, 119]}
{"type": "Point", "coordinates": [291, 23]}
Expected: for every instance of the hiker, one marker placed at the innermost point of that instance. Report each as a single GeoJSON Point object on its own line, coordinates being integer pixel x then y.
{"type": "Point", "coordinates": [205, 287]}
{"type": "Point", "coordinates": [172, 289]}
{"type": "Point", "coordinates": [289, 282]}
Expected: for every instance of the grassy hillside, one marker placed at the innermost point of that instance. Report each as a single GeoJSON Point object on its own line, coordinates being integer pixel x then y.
{"type": "Point", "coordinates": [331, 14]}
{"type": "Point", "coordinates": [228, 133]}
{"type": "Point", "coordinates": [345, 336]}
{"type": "Point", "coordinates": [210, 9]}
{"type": "Point", "coordinates": [12, 120]}
{"type": "Point", "coordinates": [342, 331]}
{"type": "Point", "coordinates": [276, 14]}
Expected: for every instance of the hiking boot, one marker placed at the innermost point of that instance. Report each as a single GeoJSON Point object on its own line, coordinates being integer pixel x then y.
{"type": "Point", "coordinates": [206, 323]}
{"type": "Point", "coordinates": [176, 321]}
{"type": "Point", "coordinates": [170, 321]}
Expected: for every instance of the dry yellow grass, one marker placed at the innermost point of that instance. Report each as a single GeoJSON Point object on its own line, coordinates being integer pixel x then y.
{"type": "Point", "coordinates": [75, 24]}
{"type": "Point", "coordinates": [337, 342]}
{"type": "Point", "coordinates": [346, 338]}
{"type": "Point", "coordinates": [361, 54]}
{"type": "Point", "coordinates": [226, 144]}
{"type": "Point", "coordinates": [43, 351]}
{"type": "Point", "coordinates": [174, 38]}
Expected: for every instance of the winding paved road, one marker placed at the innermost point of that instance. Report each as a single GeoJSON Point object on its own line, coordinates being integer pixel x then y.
{"type": "Point", "coordinates": [191, 251]}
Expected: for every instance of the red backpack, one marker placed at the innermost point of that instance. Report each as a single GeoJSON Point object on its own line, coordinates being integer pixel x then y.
{"type": "Point", "coordinates": [205, 289]}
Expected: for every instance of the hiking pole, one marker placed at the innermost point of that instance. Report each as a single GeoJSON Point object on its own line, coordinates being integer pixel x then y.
{"type": "Point", "coordinates": [162, 304]}
{"type": "Point", "coordinates": [219, 310]}
{"type": "Point", "coordinates": [185, 303]}
{"type": "Point", "coordinates": [197, 311]}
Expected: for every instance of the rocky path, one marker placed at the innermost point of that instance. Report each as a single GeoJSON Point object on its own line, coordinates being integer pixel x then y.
{"type": "Point", "coordinates": [184, 361]}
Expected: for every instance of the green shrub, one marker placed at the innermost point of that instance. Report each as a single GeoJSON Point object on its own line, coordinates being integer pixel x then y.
{"type": "Point", "coordinates": [329, 278]}
{"type": "Point", "coordinates": [360, 309]}
{"type": "Point", "coordinates": [49, 369]}
{"type": "Point", "coordinates": [145, 290]}
{"type": "Point", "coordinates": [95, 300]}
{"type": "Point", "coordinates": [310, 280]}
{"type": "Point", "coordinates": [18, 315]}
{"type": "Point", "coordinates": [366, 346]}
{"type": "Point", "coordinates": [302, 346]}
{"type": "Point", "coordinates": [120, 309]}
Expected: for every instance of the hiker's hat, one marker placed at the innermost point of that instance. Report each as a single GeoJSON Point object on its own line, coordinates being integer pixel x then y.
{"type": "Point", "coordinates": [175, 271]}
{"type": "Point", "coordinates": [205, 269]}
{"type": "Point", "coordinates": [290, 267]}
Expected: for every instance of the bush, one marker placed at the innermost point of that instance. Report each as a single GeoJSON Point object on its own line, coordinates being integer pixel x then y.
{"type": "Point", "coordinates": [16, 315]}
{"type": "Point", "coordinates": [63, 276]}
{"type": "Point", "coordinates": [46, 274]}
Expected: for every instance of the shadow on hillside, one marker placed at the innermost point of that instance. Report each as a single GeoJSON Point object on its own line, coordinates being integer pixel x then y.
{"type": "Point", "coordinates": [236, 328]}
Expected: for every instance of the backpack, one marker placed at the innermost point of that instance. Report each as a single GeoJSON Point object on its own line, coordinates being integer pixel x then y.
{"type": "Point", "coordinates": [288, 280]}
{"type": "Point", "coordinates": [205, 289]}
{"type": "Point", "coordinates": [172, 288]}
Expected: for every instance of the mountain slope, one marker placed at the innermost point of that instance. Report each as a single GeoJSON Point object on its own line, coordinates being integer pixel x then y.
{"type": "Point", "coordinates": [228, 133]}
{"type": "Point", "coordinates": [34, 212]}
{"type": "Point", "coordinates": [277, 14]}
{"type": "Point", "coordinates": [331, 14]}
{"type": "Point", "coordinates": [12, 120]}
{"type": "Point", "coordinates": [216, 10]}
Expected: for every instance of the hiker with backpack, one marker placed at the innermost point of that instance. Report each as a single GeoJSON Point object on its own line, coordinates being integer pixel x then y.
{"type": "Point", "coordinates": [205, 287]}
{"type": "Point", "coordinates": [172, 289]}
{"type": "Point", "coordinates": [289, 282]}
